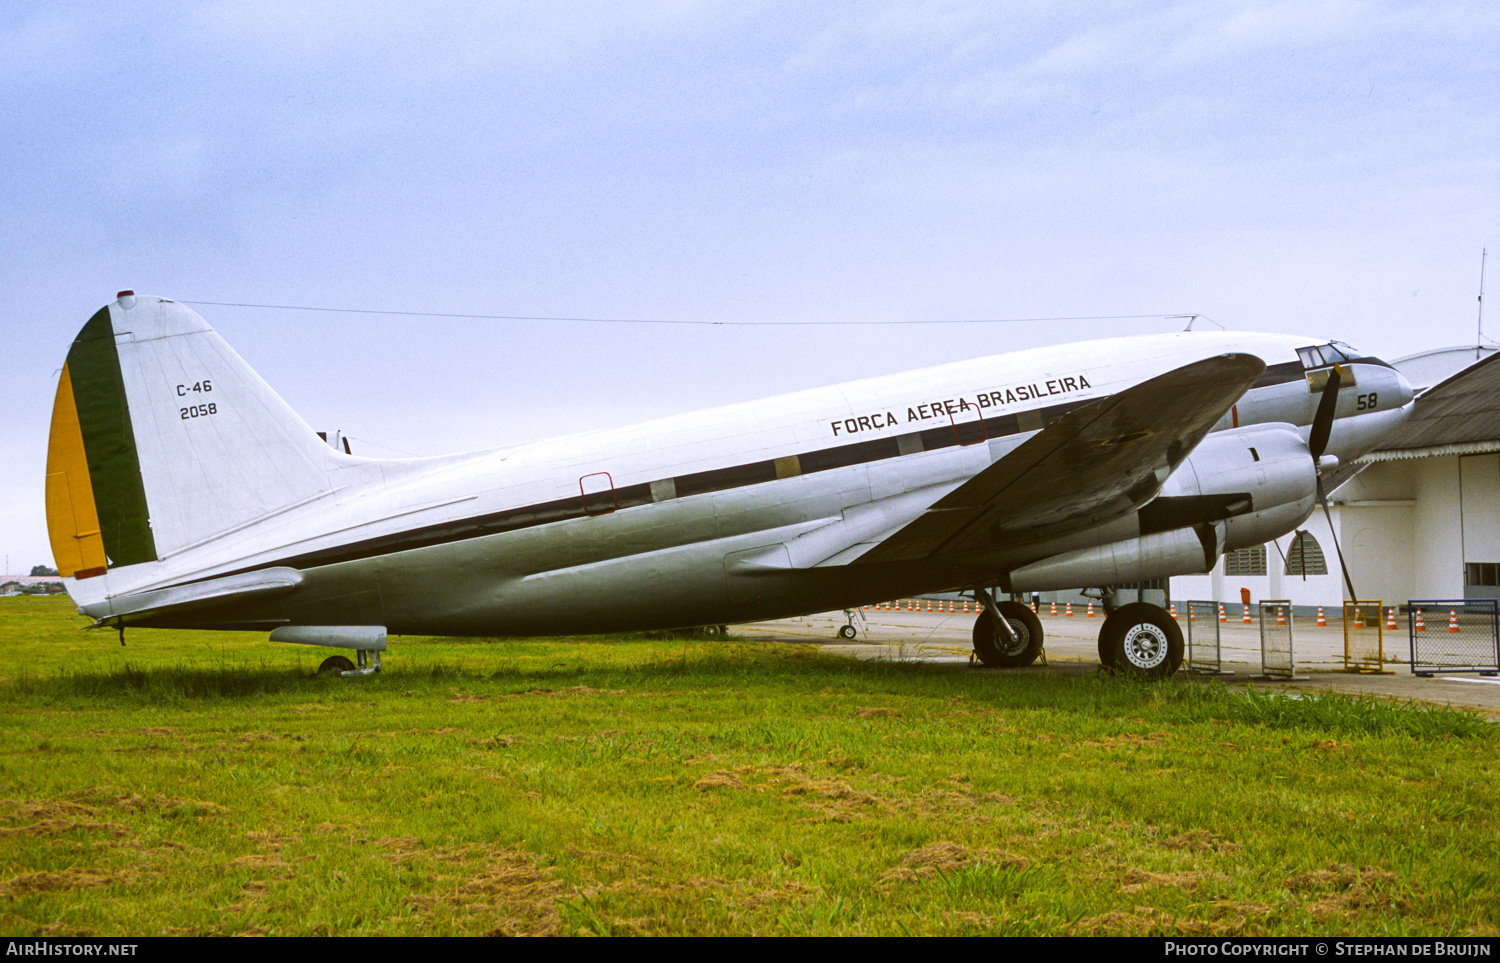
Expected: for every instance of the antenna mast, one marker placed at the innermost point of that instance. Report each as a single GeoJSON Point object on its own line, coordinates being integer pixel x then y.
{"type": "Point", "coordinates": [1479, 339]}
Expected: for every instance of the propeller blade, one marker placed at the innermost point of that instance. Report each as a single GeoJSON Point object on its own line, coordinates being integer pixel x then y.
{"type": "Point", "coordinates": [1322, 424]}
{"type": "Point", "coordinates": [1333, 533]}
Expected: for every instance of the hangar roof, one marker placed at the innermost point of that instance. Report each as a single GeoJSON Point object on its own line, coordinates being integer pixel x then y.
{"type": "Point", "coordinates": [1427, 368]}
{"type": "Point", "coordinates": [1457, 416]}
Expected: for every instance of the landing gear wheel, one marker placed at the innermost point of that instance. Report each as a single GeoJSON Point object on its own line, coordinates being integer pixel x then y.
{"type": "Point", "coordinates": [1141, 639]}
{"type": "Point", "coordinates": [995, 650]}
{"type": "Point", "coordinates": [847, 632]}
{"type": "Point", "coordinates": [335, 664]}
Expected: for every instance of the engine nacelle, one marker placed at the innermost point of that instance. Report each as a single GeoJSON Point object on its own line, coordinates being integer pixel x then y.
{"type": "Point", "coordinates": [1179, 552]}
{"type": "Point", "coordinates": [1269, 463]}
{"type": "Point", "coordinates": [1238, 488]}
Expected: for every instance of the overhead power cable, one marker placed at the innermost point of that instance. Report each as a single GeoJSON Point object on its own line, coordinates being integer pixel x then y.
{"type": "Point", "coordinates": [748, 324]}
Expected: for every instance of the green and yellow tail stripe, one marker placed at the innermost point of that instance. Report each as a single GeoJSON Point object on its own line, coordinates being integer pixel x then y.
{"type": "Point", "coordinates": [96, 501]}
{"type": "Point", "coordinates": [72, 520]}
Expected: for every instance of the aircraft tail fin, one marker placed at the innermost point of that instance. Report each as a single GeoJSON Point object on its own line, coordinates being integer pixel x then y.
{"type": "Point", "coordinates": [163, 438]}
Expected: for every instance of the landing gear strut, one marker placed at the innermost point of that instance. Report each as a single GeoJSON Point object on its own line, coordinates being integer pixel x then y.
{"type": "Point", "coordinates": [1014, 643]}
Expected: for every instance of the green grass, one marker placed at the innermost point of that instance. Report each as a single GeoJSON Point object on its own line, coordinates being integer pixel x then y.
{"type": "Point", "coordinates": [196, 782]}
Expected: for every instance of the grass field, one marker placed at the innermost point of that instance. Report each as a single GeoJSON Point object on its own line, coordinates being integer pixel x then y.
{"type": "Point", "coordinates": [211, 783]}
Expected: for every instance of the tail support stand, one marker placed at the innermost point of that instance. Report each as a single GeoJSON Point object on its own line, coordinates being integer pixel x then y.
{"type": "Point", "coordinates": [368, 664]}
{"type": "Point", "coordinates": [367, 641]}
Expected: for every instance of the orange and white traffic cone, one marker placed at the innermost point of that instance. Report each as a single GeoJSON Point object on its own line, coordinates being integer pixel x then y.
{"type": "Point", "coordinates": [1247, 620]}
{"type": "Point", "coordinates": [1420, 626]}
{"type": "Point", "coordinates": [929, 605]}
{"type": "Point", "coordinates": [1173, 610]}
{"type": "Point", "coordinates": [1280, 615]}
{"type": "Point", "coordinates": [1453, 621]}
{"type": "Point", "coordinates": [1390, 620]}
{"type": "Point", "coordinates": [1322, 622]}
{"type": "Point", "coordinates": [1069, 613]}
{"type": "Point", "coordinates": [1054, 608]}
{"type": "Point", "coordinates": [1091, 610]}
{"type": "Point", "coordinates": [1222, 616]}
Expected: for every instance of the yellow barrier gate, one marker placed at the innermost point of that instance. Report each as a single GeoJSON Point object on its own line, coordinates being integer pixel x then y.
{"type": "Point", "coordinates": [1364, 636]}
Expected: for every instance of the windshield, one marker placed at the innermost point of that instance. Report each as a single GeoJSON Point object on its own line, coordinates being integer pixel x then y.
{"type": "Point", "coordinates": [1320, 356]}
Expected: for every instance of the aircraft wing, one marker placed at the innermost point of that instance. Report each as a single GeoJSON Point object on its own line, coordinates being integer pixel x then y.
{"type": "Point", "coordinates": [1093, 464]}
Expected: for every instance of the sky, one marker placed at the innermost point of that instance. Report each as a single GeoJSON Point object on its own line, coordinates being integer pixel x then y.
{"type": "Point", "coordinates": [1320, 166]}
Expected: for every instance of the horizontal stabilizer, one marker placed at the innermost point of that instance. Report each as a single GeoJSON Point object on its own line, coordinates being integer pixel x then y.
{"type": "Point", "coordinates": [196, 597]}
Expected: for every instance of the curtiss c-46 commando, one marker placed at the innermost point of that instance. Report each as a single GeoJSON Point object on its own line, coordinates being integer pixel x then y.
{"type": "Point", "coordinates": [183, 492]}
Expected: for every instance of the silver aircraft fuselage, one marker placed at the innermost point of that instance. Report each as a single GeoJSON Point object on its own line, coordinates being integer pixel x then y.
{"type": "Point", "coordinates": [804, 502]}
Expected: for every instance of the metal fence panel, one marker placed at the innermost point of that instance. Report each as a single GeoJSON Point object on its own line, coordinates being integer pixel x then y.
{"type": "Point", "coordinates": [1364, 636]}
{"type": "Point", "coordinates": [1454, 635]}
{"type": "Point", "coordinates": [1276, 638]}
{"type": "Point", "coordinates": [1203, 638]}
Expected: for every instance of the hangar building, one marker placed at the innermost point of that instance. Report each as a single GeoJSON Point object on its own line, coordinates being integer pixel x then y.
{"type": "Point", "coordinates": [1417, 518]}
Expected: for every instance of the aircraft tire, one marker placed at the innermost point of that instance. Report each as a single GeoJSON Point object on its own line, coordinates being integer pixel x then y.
{"type": "Point", "coordinates": [847, 632]}
{"type": "Point", "coordinates": [1142, 639]}
{"type": "Point", "coordinates": [992, 649]}
{"type": "Point", "coordinates": [335, 664]}
{"type": "Point", "coordinates": [1106, 647]}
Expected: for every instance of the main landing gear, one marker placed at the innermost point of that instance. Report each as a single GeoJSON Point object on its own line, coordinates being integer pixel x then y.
{"type": "Point", "coordinates": [1136, 639]}
{"type": "Point", "coordinates": [1140, 639]}
{"type": "Point", "coordinates": [1014, 644]}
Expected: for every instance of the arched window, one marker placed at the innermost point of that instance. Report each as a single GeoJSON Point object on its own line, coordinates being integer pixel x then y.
{"type": "Point", "coordinates": [1305, 556]}
{"type": "Point", "coordinates": [1246, 561]}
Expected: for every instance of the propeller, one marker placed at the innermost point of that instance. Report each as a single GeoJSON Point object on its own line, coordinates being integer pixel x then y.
{"type": "Point", "coordinates": [1322, 425]}
{"type": "Point", "coordinates": [1317, 443]}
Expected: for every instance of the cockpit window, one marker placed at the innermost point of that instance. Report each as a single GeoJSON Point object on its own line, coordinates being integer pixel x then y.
{"type": "Point", "coordinates": [1320, 356]}
{"type": "Point", "coordinates": [1311, 357]}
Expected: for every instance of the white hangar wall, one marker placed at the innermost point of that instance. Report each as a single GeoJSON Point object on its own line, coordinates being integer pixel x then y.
{"type": "Point", "coordinates": [1408, 529]}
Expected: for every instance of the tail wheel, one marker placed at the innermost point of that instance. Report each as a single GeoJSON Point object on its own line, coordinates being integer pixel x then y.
{"type": "Point", "coordinates": [1141, 639]}
{"type": "Point", "coordinates": [997, 651]}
